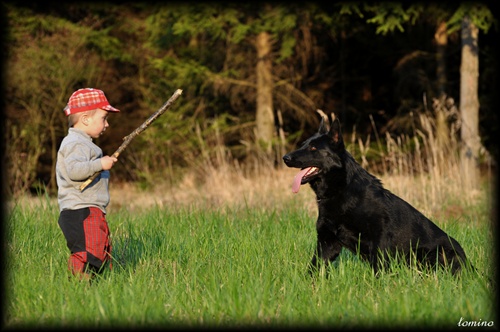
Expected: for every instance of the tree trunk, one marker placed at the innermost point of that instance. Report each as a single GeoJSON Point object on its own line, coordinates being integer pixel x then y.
{"type": "Point", "coordinates": [264, 114]}
{"type": "Point", "coordinates": [469, 105]}
{"type": "Point", "coordinates": [441, 38]}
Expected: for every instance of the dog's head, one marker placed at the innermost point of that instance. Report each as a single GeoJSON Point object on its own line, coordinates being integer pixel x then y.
{"type": "Point", "coordinates": [319, 154]}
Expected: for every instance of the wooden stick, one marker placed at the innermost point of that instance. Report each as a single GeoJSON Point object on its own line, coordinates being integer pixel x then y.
{"type": "Point", "coordinates": [137, 131]}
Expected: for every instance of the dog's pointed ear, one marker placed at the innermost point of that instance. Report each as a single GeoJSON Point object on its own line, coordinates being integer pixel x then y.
{"type": "Point", "coordinates": [323, 125]}
{"type": "Point", "coordinates": [335, 132]}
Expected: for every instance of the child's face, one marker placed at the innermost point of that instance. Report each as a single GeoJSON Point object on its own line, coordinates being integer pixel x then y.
{"type": "Point", "coordinates": [96, 124]}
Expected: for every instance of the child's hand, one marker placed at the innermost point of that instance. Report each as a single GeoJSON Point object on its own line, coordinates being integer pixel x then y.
{"type": "Point", "coordinates": [107, 162]}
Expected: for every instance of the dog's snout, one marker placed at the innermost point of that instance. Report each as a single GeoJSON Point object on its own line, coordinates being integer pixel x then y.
{"type": "Point", "coordinates": [287, 158]}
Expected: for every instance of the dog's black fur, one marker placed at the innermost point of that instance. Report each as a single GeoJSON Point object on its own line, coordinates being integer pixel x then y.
{"type": "Point", "coordinates": [356, 212]}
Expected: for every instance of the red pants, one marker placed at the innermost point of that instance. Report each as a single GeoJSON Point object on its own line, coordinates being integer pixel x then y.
{"type": "Point", "coordinates": [87, 236]}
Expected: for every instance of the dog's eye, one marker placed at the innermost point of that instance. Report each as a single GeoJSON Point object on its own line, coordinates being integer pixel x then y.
{"type": "Point", "coordinates": [312, 148]}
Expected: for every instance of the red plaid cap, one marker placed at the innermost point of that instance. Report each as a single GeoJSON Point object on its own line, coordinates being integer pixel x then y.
{"type": "Point", "coordinates": [88, 99]}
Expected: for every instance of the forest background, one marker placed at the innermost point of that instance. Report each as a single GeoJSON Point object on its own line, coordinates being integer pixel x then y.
{"type": "Point", "coordinates": [252, 75]}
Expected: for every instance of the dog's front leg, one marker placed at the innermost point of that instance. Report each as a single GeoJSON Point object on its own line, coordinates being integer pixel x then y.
{"type": "Point", "coordinates": [328, 248]}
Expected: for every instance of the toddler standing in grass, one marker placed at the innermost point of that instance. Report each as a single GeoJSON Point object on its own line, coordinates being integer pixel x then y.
{"type": "Point", "coordinates": [82, 216]}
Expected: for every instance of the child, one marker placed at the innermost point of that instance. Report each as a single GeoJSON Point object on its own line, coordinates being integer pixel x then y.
{"type": "Point", "coordinates": [83, 213]}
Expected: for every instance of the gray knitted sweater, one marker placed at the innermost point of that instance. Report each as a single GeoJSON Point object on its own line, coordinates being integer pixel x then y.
{"type": "Point", "coordinates": [78, 158]}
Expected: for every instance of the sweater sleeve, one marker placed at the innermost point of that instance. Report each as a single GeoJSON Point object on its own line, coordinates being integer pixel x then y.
{"type": "Point", "coordinates": [81, 162]}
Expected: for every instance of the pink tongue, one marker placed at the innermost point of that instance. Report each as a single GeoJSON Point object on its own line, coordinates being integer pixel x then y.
{"type": "Point", "coordinates": [298, 179]}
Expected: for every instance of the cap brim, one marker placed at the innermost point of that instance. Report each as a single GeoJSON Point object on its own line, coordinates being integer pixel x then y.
{"type": "Point", "coordinates": [110, 108]}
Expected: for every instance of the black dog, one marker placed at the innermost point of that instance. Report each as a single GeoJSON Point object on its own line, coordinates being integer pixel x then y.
{"type": "Point", "coordinates": [356, 212]}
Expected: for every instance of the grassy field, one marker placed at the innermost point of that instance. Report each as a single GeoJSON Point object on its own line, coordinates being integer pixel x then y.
{"type": "Point", "coordinates": [233, 265]}
{"type": "Point", "coordinates": [228, 246]}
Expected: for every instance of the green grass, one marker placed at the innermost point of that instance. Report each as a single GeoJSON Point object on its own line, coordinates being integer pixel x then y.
{"type": "Point", "coordinates": [231, 267]}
